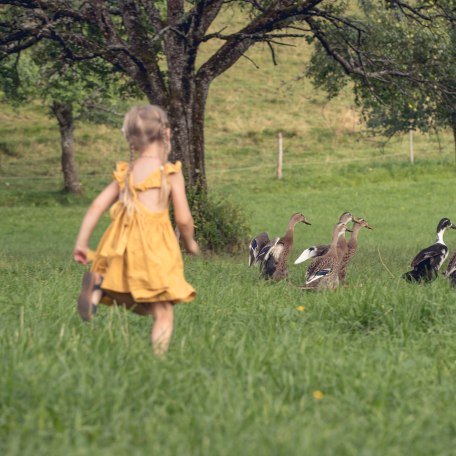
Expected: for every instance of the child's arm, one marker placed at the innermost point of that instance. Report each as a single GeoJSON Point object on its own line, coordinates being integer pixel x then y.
{"type": "Point", "coordinates": [182, 212]}
{"type": "Point", "coordinates": [100, 204]}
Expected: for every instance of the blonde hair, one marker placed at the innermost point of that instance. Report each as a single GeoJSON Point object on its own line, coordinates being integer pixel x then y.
{"type": "Point", "coordinates": [144, 125]}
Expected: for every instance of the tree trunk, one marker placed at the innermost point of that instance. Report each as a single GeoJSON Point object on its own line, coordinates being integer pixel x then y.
{"type": "Point", "coordinates": [64, 115]}
{"type": "Point", "coordinates": [187, 124]}
{"type": "Point", "coordinates": [186, 110]}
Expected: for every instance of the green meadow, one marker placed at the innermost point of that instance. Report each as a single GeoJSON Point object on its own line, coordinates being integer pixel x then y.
{"type": "Point", "coordinates": [254, 368]}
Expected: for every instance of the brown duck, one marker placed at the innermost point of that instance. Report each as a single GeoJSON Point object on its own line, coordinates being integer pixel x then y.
{"type": "Point", "coordinates": [273, 255]}
{"type": "Point", "coordinates": [352, 246]}
{"type": "Point", "coordinates": [323, 272]}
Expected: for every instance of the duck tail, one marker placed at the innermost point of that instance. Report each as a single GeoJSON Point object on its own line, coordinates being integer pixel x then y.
{"type": "Point", "coordinates": [411, 276]}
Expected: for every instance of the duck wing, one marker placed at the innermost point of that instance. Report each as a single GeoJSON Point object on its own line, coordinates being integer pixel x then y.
{"type": "Point", "coordinates": [263, 254]}
{"type": "Point", "coordinates": [320, 268]}
{"type": "Point", "coordinates": [432, 256]}
{"type": "Point", "coordinates": [256, 244]}
{"type": "Point", "coordinates": [312, 252]}
{"type": "Point", "coordinates": [269, 256]}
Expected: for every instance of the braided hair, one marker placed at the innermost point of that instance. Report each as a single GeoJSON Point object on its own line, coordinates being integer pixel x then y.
{"type": "Point", "coordinates": [142, 126]}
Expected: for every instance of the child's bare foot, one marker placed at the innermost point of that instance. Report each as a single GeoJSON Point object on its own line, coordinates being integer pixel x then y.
{"type": "Point", "coordinates": [89, 296]}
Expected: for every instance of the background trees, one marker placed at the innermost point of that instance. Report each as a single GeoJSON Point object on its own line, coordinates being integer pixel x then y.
{"type": "Point", "coordinates": [425, 99]}
{"type": "Point", "coordinates": [156, 45]}
{"type": "Point", "coordinates": [87, 90]}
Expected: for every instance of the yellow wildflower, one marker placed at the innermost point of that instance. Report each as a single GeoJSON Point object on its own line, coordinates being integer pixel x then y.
{"type": "Point", "coordinates": [300, 308]}
{"type": "Point", "coordinates": [318, 395]}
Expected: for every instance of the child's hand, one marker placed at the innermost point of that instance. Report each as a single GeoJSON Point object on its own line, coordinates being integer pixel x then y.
{"type": "Point", "coordinates": [80, 254]}
{"type": "Point", "coordinates": [192, 247]}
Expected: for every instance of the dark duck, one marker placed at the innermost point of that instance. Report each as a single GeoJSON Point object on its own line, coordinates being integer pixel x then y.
{"type": "Point", "coordinates": [426, 264]}
{"type": "Point", "coordinates": [450, 272]}
{"type": "Point", "coordinates": [272, 254]}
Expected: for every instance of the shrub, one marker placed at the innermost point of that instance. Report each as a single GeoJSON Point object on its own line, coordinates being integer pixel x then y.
{"type": "Point", "coordinates": [220, 225]}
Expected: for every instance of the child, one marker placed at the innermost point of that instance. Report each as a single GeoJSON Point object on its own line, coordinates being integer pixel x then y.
{"type": "Point", "coordinates": [138, 263]}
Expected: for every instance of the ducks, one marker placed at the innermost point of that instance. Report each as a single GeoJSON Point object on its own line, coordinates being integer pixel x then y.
{"type": "Point", "coordinates": [330, 262]}
{"type": "Point", "coordinates": [322, 249]}
{"type": "Point", "coordinates": [323, 272]}
{"type": "Point", "coordinates": [426, 264]}
{"type": "Point", "coordinates": [272, 255]}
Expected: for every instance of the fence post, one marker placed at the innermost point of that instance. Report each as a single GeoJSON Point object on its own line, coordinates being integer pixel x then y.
{"type": "Point", "coordinates": [412, 154]}
{"type": "Point", "coordinates": [280, 155]}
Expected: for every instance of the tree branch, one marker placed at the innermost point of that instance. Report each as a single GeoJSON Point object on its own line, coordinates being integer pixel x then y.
{"type": "Point", "coordinates": [279, 15]}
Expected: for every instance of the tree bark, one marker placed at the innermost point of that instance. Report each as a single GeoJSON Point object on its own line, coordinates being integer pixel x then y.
{"type": "Point", "coordinates": [64, 115]}
{"type": "Point", "coordinates": [187, 125]}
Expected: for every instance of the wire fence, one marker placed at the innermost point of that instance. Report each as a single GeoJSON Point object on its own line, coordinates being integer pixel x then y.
{"type": "Point", "coordinates": [210, 172]}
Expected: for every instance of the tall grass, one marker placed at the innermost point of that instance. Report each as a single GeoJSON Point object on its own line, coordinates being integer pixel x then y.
{"type": "Point", "coordinates": [368, 369]}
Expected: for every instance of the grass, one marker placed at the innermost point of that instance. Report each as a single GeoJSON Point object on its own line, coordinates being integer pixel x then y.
{"type": "Point", "coordinates": [245, 363]}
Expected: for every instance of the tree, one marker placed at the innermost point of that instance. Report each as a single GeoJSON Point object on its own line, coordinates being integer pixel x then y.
{"type": "Point", "coordinates": [156, 43]}
{"type": "Point", "coordinates": [426, 102]}
{"type": "Point", "coordinates": [70, 92]}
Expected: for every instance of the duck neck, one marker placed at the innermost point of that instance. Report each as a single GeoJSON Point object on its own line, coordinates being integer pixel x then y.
{"type": "Point", "coordinates": [337, 233]}
{"type": "Point", "coordinates": [439, 237]}
{"type": "Point", "coordinates": [354, 234]}
{"type": "Point", "coordinates": [290, 231]}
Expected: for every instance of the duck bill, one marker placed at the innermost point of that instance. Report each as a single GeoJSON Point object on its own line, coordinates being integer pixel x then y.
{"type": "Point", "coordinates": [453, 226]}
{"type": "Point", "coordinates": [368, 226]}
{"type": "Point", "coordinates": [306, 221]}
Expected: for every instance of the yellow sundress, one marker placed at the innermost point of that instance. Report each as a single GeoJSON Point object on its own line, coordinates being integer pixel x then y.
{"type": "Point", "coordinates": [139, 253]}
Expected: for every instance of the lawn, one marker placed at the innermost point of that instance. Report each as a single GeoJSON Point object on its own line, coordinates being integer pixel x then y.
{"type": "Point", "coordinates": [368, 369]}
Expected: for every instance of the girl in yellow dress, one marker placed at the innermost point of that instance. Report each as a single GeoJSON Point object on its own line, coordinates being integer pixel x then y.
{"type": "Point", "coordinates": [138, 263]}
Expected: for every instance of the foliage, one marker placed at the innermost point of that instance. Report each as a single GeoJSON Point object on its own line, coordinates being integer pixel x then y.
{"type": "Point", "coordinates": [95, 92]}
{"type": "Point", "coordinates": [157, 45]}
{"type": "Point", "coordinates": [220, 225]}
{"type": "Point", "coordinates": [426, 101]}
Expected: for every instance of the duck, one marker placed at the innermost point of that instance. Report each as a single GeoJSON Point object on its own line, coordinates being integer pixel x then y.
{"type": "Point", "coordinates": [256, 244]}
{"type": "Point", "coordinates": [351, 247]}
{"type": "Point", "coordinates": [427, 262]}
{"type": "Point", "coordinates": [272, 254]}
{"type": "Point", "coordinates": [323, 272]}
{"type": "Point", "coordinates": [450, 272]}
{"type": "Point", "coordinates": [321, 249]}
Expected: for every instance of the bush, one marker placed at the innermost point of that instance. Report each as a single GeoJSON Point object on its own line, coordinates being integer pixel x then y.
{"type": "Point", "coordinates": [220, 225]}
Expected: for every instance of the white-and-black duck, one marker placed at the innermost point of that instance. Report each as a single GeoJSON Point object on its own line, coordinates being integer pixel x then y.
{"type": "Point", "coordinates": [450, 272]}
{"type": "Point", "coordinates": [352, 246]}
{"type": "Point", "coordinates": [321, 249]}
{"type": "Point", "coordinates": [426, 264]}
{"type": "Point", "coordinates": [323, 272]}
{"type": "Point", "coordinates": [272, 255]}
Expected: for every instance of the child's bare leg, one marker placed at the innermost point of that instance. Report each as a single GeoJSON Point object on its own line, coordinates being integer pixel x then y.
{"type": "Point", "coordinates": [97, 293]}
{"type": "Point", "coordinates": [90, 295]}
{"type": "Point", "coordinates": [162, 327]}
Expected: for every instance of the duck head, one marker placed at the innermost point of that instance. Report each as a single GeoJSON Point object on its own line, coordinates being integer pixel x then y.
{"type": "Point", "coordinates": [346, 217]}
{"type": "Point", "coordinates": [444, 224]}
{"type": "Point", "coordinates": [298, 217]}
{"type": "Point", "coordinates": [363, 223]}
